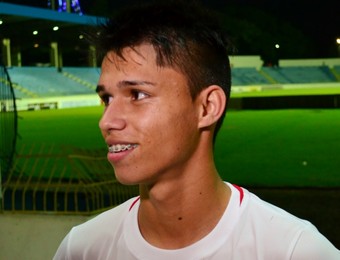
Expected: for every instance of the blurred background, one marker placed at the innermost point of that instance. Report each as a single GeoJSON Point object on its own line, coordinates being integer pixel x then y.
{"type": "Point", "coordinates": [273, 29]}
{"type": "Point", "coordinates": [281, 137]}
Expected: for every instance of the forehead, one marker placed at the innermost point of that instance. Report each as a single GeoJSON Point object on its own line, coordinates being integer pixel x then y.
{"type": "Point", "coordinates": [137, 56]}
{"type": "Point", "coordinates": [139, 64]}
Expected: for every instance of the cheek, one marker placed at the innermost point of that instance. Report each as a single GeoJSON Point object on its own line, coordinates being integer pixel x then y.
{"type": "Point", "coordinates": [165, 123]}
{"type": "Point", "coordinates": [177, 127]}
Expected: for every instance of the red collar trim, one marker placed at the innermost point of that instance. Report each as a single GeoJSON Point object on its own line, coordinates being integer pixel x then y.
{"type": "Point", "coordinates": [241, 193]}
{"type": "Point", "coordinates": [134, 202]}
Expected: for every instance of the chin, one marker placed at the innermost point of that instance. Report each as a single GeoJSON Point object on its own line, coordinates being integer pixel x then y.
{"type": "Point", "coordinates": [127, 180]}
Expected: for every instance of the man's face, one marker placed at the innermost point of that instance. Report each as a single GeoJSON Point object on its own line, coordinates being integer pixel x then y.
{"type": "Point", "coordinates": [150, 122]}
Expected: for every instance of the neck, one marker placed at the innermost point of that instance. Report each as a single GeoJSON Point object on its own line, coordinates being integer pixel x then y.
{"type": "Point", "coordinates": [177, 213]}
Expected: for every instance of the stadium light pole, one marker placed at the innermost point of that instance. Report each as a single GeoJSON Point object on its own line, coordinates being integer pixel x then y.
{"type": "Point", "coordinates": [55, 54]}
{"type": "Point", "coordinates": [7, 45]}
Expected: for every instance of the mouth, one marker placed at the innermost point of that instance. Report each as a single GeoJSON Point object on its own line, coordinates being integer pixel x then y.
{"type": "Point", "coordinates": [117, 148]}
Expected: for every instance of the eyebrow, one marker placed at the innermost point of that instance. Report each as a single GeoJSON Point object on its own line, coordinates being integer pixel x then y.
{"type": "Point", "coordinates": [126, 83]}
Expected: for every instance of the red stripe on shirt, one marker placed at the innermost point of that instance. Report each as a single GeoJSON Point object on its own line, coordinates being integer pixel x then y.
{"type": "Point", "coordinates": [133, 203]}
{"type": "Point", "coordinates": [241, 192]}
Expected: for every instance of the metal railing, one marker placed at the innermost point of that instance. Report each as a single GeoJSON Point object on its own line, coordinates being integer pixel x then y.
{"type": "Point", "coordinates": [62, 180]}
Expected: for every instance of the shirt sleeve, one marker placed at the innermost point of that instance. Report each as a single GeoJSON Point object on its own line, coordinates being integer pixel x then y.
{"type": "Point", "coordinates": [313, 245]}
{"type": "Point", "coordinates": [62, 251]}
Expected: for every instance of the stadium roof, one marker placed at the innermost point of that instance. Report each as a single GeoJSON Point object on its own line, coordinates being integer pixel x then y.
{"type": "Point", "coordinates": [15, 13]}
{"type": "Point", "coordinates": [26, 26]}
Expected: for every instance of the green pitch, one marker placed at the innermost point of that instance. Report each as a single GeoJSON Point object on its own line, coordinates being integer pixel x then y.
{"type": "Point", "coordinates": [280, 148]}
{"type": "Point", "coordinates": [254, 148]}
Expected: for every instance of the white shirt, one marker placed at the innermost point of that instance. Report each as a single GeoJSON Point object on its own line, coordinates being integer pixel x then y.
{"type": "Point", "coordinates": [250, 228]}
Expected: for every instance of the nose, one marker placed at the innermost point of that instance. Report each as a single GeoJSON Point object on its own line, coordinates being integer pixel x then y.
{"type": "Point", "coordinates": [112, 119]}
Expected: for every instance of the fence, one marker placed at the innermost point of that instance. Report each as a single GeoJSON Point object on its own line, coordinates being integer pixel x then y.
{"type": "Point", "coordinates": [63, 180]}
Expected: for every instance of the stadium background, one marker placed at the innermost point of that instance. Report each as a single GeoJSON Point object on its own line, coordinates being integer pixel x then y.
{"type": "Point", "coordinates": [282, 98]}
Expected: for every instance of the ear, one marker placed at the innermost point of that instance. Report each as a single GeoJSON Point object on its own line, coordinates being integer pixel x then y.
{"type": "Point", "coordinates": [212, 101]}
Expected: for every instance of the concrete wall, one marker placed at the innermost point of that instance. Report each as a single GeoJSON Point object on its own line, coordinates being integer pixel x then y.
{"type": "Point", "coordinates": [255, 61]}
{"type": "Point", "coordinates": [33, 236]}
{"type": "Point", "coordinates": [246, 61]}
{"type": "Point", "coordinates": [331, 62]}
{"type": "Point", "coordinates": [57, 102]}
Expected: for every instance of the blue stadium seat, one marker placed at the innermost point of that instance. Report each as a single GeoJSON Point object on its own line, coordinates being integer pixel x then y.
{"type": "Point", "coordinates": [247, 76]}
{"type": "Point", "coordinates": [47, 81]}
{"type": "Point", "coordinates": [303, 74]}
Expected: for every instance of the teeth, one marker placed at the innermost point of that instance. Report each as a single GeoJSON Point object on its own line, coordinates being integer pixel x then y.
{"type": "Point", "coordinates": [121, 147]}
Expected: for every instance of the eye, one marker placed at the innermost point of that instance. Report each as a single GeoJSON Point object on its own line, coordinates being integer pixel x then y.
{"type": "Point", "coordinates": [106, 99]}
{"type": "Point", "coordinates": [138, 95]}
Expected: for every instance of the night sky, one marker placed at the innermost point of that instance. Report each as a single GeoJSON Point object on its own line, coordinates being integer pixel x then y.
{"type": "Point", "coordinates": [316, 23]}
{"type": "Point", "coordinates": [318, 19]}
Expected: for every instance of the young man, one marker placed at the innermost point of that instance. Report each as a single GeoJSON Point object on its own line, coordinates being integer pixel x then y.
{"type": "Point", "coordinates": [165, 83]}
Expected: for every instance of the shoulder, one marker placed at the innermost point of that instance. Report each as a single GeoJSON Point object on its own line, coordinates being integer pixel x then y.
{"type": "Point", "coordinates": [314, 246]}
{"type": "Point", "coordinates": [273, 215]}
{"type": "Point", "coordinates": [288, 234]}
{"type": "Point", "coordinates": [112, 218]}
{"type": "Point", "coordinates": [94, 233]}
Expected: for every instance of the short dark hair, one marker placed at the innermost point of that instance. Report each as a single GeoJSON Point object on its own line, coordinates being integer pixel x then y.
{"type": "Point", "coordinates": [185, 36]}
